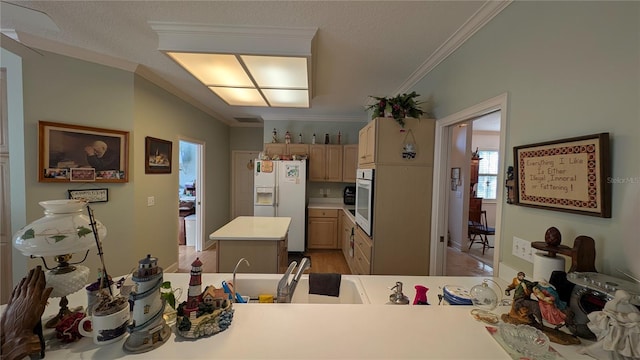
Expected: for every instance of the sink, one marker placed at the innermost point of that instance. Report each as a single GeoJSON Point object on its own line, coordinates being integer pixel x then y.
{"type": "Point", "coordinates": [351, 290]}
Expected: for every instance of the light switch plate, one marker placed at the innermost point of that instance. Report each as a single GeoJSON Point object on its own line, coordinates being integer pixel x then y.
{"type": "Point", "coordinates": [151, 201]}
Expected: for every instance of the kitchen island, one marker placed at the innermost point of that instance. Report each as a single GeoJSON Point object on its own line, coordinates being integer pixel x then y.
{"type": "Point", "coordinates": [325, 331]}
{"type": "Point", "coordinates": [260, 240]}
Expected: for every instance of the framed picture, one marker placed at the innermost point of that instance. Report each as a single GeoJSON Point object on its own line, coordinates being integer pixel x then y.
{"type": "Point", "coordinates": [63, 147]}
{"type": "Point", "coordinates": [157, 156]}
{"type": "Point", "coordinates": [90, 195]}
{"type": "Point", "coordinates": [82, 174]}
{"type": "Point", "coordinates": [568, 175]}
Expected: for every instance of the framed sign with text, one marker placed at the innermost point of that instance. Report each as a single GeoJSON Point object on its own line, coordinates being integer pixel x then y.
{"type": "Point", "coordinates": [568, 175]}
{"type": "Point", "coordinates": [90, 195]}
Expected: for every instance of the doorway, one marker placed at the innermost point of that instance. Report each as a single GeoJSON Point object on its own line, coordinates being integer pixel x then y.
{"type": "Point", "coordinates": [242, 163]}
{"type": "Point", "coordinates": [191, 194]}
{"type": "Point", "coordinates": [442, 185]}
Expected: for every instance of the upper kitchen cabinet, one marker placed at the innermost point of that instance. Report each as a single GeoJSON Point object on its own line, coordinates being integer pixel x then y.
{"type": "Point", "coordinates": [325, 163]}
{"type": "Point", "coordinates": [382, 142]}
{"type": "Point", "coordinates": [349, 163]}
{"type": "Point", "coordinates": [273, 149]}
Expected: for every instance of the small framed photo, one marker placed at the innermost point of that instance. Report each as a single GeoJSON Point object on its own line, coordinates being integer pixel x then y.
{"type": "Point", "coordinates": [90, 195]}
{"type": "Point", "coordinates": [82, 174]}
{"type": "Point", "coordinates": [157, 156]}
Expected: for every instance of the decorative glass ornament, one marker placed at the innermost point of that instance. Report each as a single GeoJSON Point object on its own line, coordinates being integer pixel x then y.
{"type": "Point", "coordinates": [483, 296]}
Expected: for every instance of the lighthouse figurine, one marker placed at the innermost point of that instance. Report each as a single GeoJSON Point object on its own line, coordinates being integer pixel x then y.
{"type": "Point", "coordinates": [148, 330]}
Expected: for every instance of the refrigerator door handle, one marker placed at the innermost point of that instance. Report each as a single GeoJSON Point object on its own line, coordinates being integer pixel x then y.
{"type": "Point", "coordinates": [276, 199]}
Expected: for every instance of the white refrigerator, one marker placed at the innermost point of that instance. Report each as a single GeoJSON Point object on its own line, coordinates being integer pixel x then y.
{"type": "Point", "coordinates": [280, 190]}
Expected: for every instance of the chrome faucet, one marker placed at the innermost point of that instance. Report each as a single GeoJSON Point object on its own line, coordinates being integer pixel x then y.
{"type": "Point", "coordinates": [235, 286]}
{"type": "Point", "coordinates": [285, 289]}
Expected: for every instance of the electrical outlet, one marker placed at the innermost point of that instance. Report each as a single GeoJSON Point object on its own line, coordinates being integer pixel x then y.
{"type": "Point", "coordinates": [151, 201]}
{"type": "Point", "coordinates": [328, 192]}
{"type": "Point", "coordinates": [321, 191]}
{"type": "Point", "coordinates": [522, 249]}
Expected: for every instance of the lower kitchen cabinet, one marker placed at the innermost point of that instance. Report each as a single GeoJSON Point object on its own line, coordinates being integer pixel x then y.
{"type": "Point", "coordinates": [322, 229]}
{"type": "Point", "coordinates": [362, 253]}
{"type": "Point", "coordinates": [347, 239]}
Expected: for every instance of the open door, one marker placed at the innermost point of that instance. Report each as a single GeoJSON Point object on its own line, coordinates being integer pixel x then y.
{"type": "Point", "coordinates": [442, 180]}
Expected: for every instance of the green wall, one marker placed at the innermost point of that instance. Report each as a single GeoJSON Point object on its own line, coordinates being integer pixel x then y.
{"type": "Point", "coordinates": [570, 69]}
{"type": "Point", "coordinates": [66, 90]}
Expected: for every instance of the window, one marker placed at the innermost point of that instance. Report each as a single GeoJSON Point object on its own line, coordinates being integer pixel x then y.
{"type": "Point", "coordinates": [488, 174]}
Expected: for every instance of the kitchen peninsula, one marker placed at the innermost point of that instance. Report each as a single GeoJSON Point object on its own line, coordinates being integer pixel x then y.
{"type": "Point", "coordinates": [372, 330]}
{"type": "Point", "coordinates": [260, 240]}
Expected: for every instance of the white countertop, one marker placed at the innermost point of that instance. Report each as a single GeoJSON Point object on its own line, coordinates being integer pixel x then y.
{"type": "Point", "coordinates": [324, 331]}
{"type": "Point", "coordinates": [253, 228]}
{"type": "Point", "coordinates": [331, 203]}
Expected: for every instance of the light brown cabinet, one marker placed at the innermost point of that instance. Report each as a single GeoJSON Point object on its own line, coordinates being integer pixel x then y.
{"type": "Point", "coordinates": [366, 144]}
{"type": "Point", "coordinates": [362, 253]}
{"type": "Point", "coordinates": [322, 229]}
{"type": "Point", "coordinates": [400, 242]}
{"type": "Point", "coordinates": [349, 163]}
{"type": "Point", "coordinates": [382, 139]}
{"type": "Point", "coordinates": [347, 236]}
{"type": "Point", "coordinates": [273, 149]}
{"type": "Point", "coordinates": [325, 163]}
{"type": "Point", "coordinates": [266, 257]}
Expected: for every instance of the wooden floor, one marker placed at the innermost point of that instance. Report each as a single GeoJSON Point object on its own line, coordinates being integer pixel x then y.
{"type": "Point", "coordinates": [459, 263]}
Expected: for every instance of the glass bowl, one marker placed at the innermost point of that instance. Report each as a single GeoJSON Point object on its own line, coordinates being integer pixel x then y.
{"type": "Point", "coordinates": [525, 339]}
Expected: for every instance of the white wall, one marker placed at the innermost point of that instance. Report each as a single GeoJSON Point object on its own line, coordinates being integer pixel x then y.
{"type": "Point", "coordinates": [62, 89]}
{"type": "Point", "coordinates": [570, 69]}
{"type": "Point", "coordinates": [458, 158]}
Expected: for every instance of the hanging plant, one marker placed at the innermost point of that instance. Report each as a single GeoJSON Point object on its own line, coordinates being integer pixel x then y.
{"type": "Point", "coordinates": [398, 107]}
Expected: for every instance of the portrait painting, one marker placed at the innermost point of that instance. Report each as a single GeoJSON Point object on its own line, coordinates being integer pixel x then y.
{"type": "Point", "coordinates": [64, 147]}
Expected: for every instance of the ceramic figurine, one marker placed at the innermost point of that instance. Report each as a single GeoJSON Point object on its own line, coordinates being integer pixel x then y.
{"type": "Point", "coordinates": [523, 309]}
{"type": "Point", "coordinates": [274, 136]}
{"type": "Point", "coordinates": [287, 137]}
{"type": "Point", "coordinates": [148, 330]}
{"type": "Point", "coordinates": [204, 313]}
{"type": "Point", "coordinates": [617, 328]}
{"type": "Point", "coordinates": [313, 139]}
{"type": "Point", "coordinates": [300, 138]}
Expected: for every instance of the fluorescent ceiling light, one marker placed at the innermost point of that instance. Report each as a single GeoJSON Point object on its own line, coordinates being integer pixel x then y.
{"type": "Point", "coordinates": [247, 80]}
{"type": "Point", "coordinates": [244, 65]}
{"type": "Point", "coordinates": [287, 98]}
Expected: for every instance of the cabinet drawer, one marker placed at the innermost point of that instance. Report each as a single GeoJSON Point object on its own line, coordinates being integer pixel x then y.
{"type": "Point", "coordinates": [364, 246]}
{"type": "Point", "coordinates": [329, 213]}
{"type": "Point", "coordinates": [362, 262]}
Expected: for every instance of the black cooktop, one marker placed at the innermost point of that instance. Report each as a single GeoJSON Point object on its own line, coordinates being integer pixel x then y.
{"type": "Point", "coordinates": [353, 212]}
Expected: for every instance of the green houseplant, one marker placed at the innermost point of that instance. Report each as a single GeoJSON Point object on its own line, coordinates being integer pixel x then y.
{"type": "Point", "coordinates": [398, 107]}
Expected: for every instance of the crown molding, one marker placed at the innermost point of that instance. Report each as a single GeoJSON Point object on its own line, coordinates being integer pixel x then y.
{"type": "Point", "coordinates": [478, 20]}
{"type": "Point", "coordinates": [255, 40]}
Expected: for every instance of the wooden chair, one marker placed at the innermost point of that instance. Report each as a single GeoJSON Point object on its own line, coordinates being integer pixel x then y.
{"type": "Point", "coordinates": [478, 227]}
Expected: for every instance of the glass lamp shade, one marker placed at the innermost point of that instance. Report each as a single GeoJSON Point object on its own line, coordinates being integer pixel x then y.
{"type": "Point", "coordinates": [64, 229]}
{"type": "Point", "coordinates": [67, 283]}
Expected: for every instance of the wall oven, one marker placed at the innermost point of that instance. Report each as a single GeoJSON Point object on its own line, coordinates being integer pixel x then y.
{"type": "Point", "coordinates": [364, 200]}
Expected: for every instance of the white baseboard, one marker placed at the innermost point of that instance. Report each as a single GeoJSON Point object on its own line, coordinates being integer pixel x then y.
{"type": "Point", "coordinates": [506, 272]}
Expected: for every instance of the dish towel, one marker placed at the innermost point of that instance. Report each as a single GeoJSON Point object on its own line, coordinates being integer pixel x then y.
{"type": "Point", "coordinates": [324, 284]}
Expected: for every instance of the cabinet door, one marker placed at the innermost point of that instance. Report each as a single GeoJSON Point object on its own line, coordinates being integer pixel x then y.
{"type": "Point", "coordinates": [366, 144]}
{"type": "Point", "coordinates": [273, 149]}
{"type": "Point", "coordinates": [323, 233]}
{"type": "Point", "coordinates": [317, 163]}
{"type": "Point", "coordinates": [349, 163]}
{"type": "Point", "coordinates": [298, 149]}
{"type": "Point", "coordinates": [333, 163]}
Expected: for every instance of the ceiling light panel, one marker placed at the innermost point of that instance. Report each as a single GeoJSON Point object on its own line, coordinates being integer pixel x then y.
{"type": "Point", "coordinates": [214, 69]}
{"type": "Point", "coordinates": [239, 96]}
{"type": "Point", "coordinates": [277, 72]}
{"type": "Point", "coordinates": [287, 98]}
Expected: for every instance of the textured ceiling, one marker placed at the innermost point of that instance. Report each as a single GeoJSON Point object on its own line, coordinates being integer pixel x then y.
{"type": "Point", "coordinates": [362, 47]}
